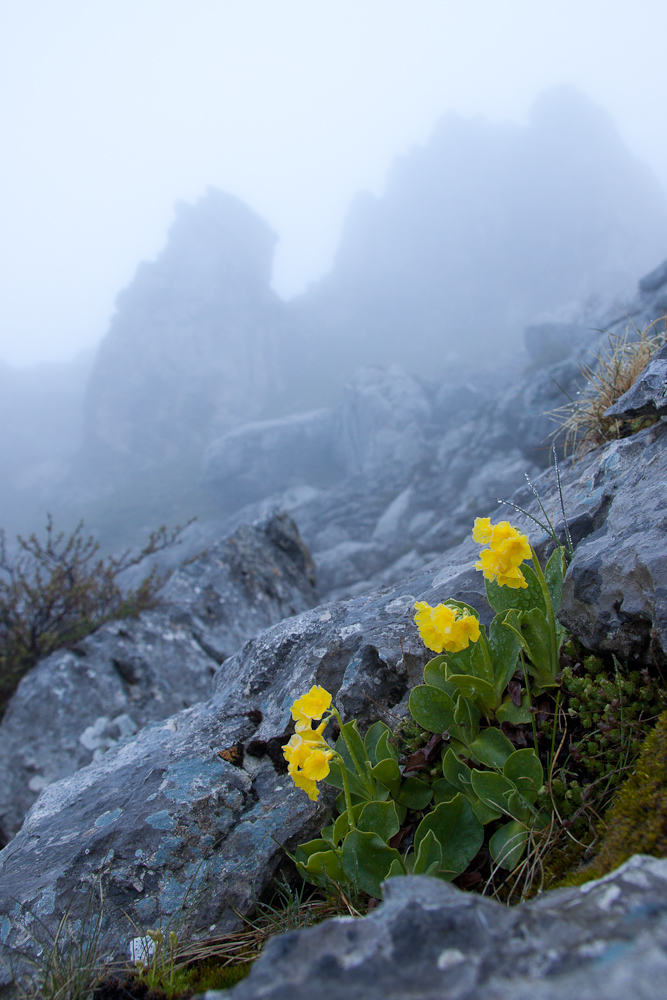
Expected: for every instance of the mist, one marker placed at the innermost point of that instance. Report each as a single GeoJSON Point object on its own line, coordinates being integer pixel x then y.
{"type": "Point", "coordinates": [112, 115]}
{"type": "Point", "coordinates": [215, 222]}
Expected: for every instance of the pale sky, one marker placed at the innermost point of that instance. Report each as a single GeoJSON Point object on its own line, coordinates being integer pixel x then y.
{"type": "Point", "coordinates": [112, 110]}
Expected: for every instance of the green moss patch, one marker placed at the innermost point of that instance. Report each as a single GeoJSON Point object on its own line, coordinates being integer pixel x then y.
{"type": "Point", "coordinates": [636, 823]}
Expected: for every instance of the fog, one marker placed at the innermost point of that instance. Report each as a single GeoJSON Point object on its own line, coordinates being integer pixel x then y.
{"type": "Point", "coordinates": [214, 218]}
{"type": "Point", "coordinates": [111, 113]}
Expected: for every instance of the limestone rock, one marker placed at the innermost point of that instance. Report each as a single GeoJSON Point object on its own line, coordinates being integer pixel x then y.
{"type": "Point", "coordinates": [603, 941]}
{"type": "Point", "coordinates": [648, 396]}
{"type": "Point", "coordinates": [162, 816]}
{"type": "Point", "coordinates": [78, 703]}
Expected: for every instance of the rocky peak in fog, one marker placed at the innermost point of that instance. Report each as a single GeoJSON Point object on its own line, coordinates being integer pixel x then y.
{"type": "Point", "coordinates": [484, 229]}
{"type": "Point", "coordinates": [198, 343]}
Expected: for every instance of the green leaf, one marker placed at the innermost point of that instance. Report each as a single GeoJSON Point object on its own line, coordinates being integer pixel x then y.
{"type": "Point", "coordinates": [429, 855]}
{"type": "Point", "coordinates": [328, 834]}
{"type": "Point", "coordinates": [509, 712]}
{"type": "Point", "coordinates": [341, 827]}
{"type": "Point", "coordinates": [484, 812]}
{"type": "Point", "coordinates": [522, 598]}
{"type": "Point", "coordinates": [519, 808]}
{"type": "Point", "coordinates": [356, 800]}
{"type": "Point", "coordinates": [414, 793]}
{"type": "Point", "coordinates": [304, 851]}
{"type": "Point", "coordinates": [349, 735]}
{"type": "Point", "coordinates": [491, 748]}
{"type": "Point", "coordinates": [367, 860]}
{"type": "Point", "coordinates": [324, 867]}
{"type": "Point", "coordinates": [493, 789]}
{"type": "Point", "coordinates": [456, 772]}
{"type": "Point", "coordinates": [443, 791]}
{"type": "Point", "coordinates": [524, 769]}
{"type": "Point", "coordinates": [533, 633]}
{"type": "Point", "coordinates": [504, 653]}
{"type": "Point", "coordinates": [389, 773]}
{"type": "Point", "coordinates": [457, 830]}
{"type": "Point", "coordinates": [385, 749]}
{"type": "Point", "coordinates": [335, 779]}
{"type": "Point", "coordinates": [371, 739]}
{"type": "Point", "coordinates": [435, 674]}
{"type": "Point", "coordinates": [431, 708]}
{"type": "Point", "coordinates": [474, 687]}
{"type": "Point", "coordinates": [465, 609]}
{"type": "Point", "coordinates": [380, 818]}
{"type": "Point", "coordinates": [466, 717]}
{"type": "Point", "coordinates": [396, 868]}
{"type": "Point", "coordinates": [508, 843]}
{"type": "Point", "coordinates": [554, 573]}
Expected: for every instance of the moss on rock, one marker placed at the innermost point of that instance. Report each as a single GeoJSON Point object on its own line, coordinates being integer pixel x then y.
{"type": "Point", "coordinates": [636, 823]}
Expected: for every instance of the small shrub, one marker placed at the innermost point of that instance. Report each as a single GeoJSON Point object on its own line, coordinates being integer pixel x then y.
{"type": "Point", "coordinates": [54, 592]}
{"type": "Point", "coordinates": [617, 367]}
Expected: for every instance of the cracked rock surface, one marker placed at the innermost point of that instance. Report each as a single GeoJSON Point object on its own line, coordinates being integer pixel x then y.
{"type": "Point", "coordinates": [604, 941]}
{"type": "Point", "coordinates": [78, 703]}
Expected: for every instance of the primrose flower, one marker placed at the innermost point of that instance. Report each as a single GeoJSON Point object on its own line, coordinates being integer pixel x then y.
{"type": "Point", "coordinates": [445, 628]}
{"type": "Point", "coordinates": [307, 753]}
{"type": "Point", "coordinates": [508, 548]}
{"type": "Point", "coordinates": [310, 706]}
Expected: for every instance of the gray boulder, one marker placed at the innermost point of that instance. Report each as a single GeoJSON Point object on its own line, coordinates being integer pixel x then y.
{"type": "Point", "coordinates": [615, 593]}
{"type": "Point", "coordinates": [603, 941]}
{"type": "Point", "coordinates": [78, 703]}
{"type": "Point", "coordinates": [163, 819]}
{"type": "Point", "coordinates": [648, 396]}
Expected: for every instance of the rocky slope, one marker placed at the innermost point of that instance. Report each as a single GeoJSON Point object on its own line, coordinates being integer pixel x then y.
{"type": "Point", "coordinates": [79, 702]}
{"type": "Point", "coordinates": [163, 817]}
{"type": "Point", "coordinates": [414, 459]}
{"type": "Point", "coordinates": [482, 230]}
{"type": "Point", "coordinates": [440, 276]}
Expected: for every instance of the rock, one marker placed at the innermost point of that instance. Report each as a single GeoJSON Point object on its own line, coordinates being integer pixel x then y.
{"type": "Point", "coordinates": [615, 593]}
{"type": "Point", "coordinates": [648, 395]}
{"type": "Point", "coordinates": [78, 703]}
{"type": "Point", "coordinates": [162, 817]}
{"type": "Point", "coordinates": [207, 342]}
{"type": "Point", "coordinates": [264, 457]}
{"type": "Point", "coordinates": [453, 257]}
{"type": "Point", "coordinates": [603, 941]}
{"type": "Point", "coordinates": [655, 280]}
{"type": "Point", "coordinates": [380, 424]}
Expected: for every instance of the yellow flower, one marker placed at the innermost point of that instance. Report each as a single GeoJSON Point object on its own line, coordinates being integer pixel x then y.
{"type": "Point", "coordinates": [508, 548]}
{"type": "Point", "coordinates": [445, 628]}
{"type": "Point", "coordinates": [308, 755]}
{"type": "Point", "coordinates": [310, 706]}
{"type": "Point", "coordinates": [482, 529]}
{"type": "Point", "coordinates": [307, 784]}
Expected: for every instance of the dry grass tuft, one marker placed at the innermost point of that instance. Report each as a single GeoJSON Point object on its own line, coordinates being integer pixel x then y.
{"type": "Point", "coordinates": [617, 367]}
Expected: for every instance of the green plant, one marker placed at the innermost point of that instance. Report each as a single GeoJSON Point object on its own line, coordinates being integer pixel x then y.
{"type": "Point", "coordinates": [483, 780]}
{"type": "Point", "coordinates": [616, 368]}
{"type": "Point", "coordinates": [68, 961]}
{"type": "Point", "coordinates": [636, 822]}
{"type": "Point", "coordinates": [52, 593]}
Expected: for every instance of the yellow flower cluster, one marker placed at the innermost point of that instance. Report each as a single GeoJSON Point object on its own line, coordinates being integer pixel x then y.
{"type": "Point", "coordinates": [445, 628]}
{"type": "Point", "coordinates": [508, 548]}
{"type": "Point", "coordinates": [307, 753]}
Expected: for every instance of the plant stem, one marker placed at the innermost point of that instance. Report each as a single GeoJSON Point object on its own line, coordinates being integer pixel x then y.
{"type": "Point", "coordinates": [553, 731]}
{"type": "Point", "coordinates": [551, 618]}
{"type": "Point", "coordinates": [530, 699]}
{"type": "Point", "coordinates": [346, 792]}
{"type": "Point", "coordinates": [361, 771]}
